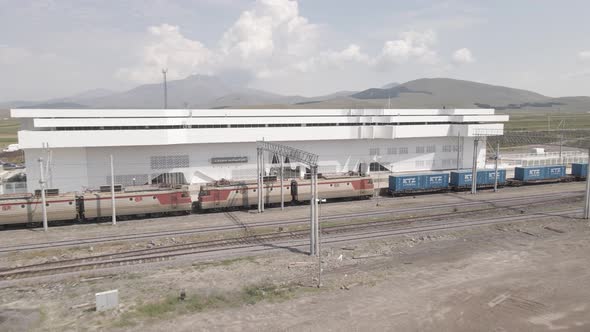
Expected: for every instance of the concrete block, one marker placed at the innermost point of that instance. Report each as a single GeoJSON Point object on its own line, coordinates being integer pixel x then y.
{"type": "Point", "coordinates": [107, 300]}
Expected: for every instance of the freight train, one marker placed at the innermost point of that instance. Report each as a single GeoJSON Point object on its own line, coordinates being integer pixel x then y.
{"type": "Point", "coordinates": [27, 209]}
{"type": "Point", "coordinates": [226, 194]}
{"type": "Point", "coordinates": [401, 184]}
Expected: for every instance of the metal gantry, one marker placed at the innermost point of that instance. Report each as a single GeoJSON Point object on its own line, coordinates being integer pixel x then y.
{"type": "Point", "coordinates": [304, 157]}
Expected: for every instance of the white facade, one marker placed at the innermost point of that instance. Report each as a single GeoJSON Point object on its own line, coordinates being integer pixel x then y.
{"type": "Point", "coordinates": [208, 145]}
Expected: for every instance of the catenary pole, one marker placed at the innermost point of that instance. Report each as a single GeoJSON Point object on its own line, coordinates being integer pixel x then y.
{"type": "Point", "coordinates": [319, 240]}
{"type": "Point", "coordinates": [496, 167]}
{"type": "Point", "coordinates": [113, 191]}
{"type": "Point", "coordinates": [258, 178]}
{"type": "Point", "coordinates": [312, 212]}
{"type": "Point", "coordinates": [43, 200]}
{"type": "Point", "coordinates": [474, 167]}
{"type": "Point", "coordinates": [281, 174]}
{"type": "Point", "coordinates": [317, 214]}
{"type": "Point", "coordinates": [587, 201]}
{"type": "Point", "coordinates": [458, 150]}
{"type": "Point", "coordinates": [262, 173]}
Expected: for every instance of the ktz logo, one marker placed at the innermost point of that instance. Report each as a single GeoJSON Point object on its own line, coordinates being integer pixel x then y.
{"type": "Point", "coordinates": [436, 179]}
{"type": "Point", "coordinates": [491, 176]}
{"type": "Point", "coordinates": [555, 170]}
{"type": "Point", "coordinates": [409, 181]}
{"type": "Point", "coordinates": [534, 172]}
{"type": "Point", "coordinates": [467, 177]}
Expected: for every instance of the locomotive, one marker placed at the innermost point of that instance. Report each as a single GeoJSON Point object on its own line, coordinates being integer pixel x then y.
{"type": "Point", "coordinates": [225, 194]}
{"type": "Point", "coordinates": [24, 209]}
{"type": "Point", "coordinates": [150, 201]}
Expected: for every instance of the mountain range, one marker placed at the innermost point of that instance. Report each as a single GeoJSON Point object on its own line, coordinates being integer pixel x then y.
{"type": "Point", "coordinates": [200, 91]}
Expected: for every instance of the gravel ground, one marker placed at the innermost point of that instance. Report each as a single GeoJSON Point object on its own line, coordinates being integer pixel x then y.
{"type": "Point", "coordinates": [529, 276]}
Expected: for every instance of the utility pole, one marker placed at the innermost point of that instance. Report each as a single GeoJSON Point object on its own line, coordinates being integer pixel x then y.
{"type": "Point", "coordinates": [113, 191]}
{"type": "Point", "coordinates": [164, 71]}
{"type": "Point", "coordinates": [474, 167]}
{"type": "Point", "coordinates": [43, 200]}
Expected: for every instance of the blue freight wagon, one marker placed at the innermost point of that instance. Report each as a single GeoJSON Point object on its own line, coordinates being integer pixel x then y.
{"type": "Point", "coordinates": [539, 173]}
{"type": "Point", "coordinates": [411, 183]}
{"type": "Point", "coordinates": [579, 170]}
{"type": "Point", "coordinates": [485, 178]}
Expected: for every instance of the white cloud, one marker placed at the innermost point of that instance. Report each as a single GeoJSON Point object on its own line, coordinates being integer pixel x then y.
{"type": "Point", "coordinates": [271, 39]}
{"type": "Point", "coordinates": [334, 59]}
{"type": "Point", "coordinates": [412, 45]}
{"type": "Point", "coordinates": [462, 56]}
{"type": "Point", "coordinates": [584, 55]}
{"type": "Point", "coordinates": [168, 48]}
{"type": "Point", "coordinates": [13, 55]}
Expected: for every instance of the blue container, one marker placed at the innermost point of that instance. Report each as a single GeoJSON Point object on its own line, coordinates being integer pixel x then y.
{"type": "Point", "coordinates": [460, 178]}
{"type": "Point", "coordinates": [488, 176]}
{"type": "Point", "coordinates": [418, 182]}
{"type": "Point", "coordinates": [529, 173]}
{"type": "Point", "coordinates": [435, 181]}
{"type": "Point", "coordinates": [485, 177]}
{"type": "Point", "coordinates": [532, 173]}
{"type": "Point", "coordinates": [579, 170]}
{"type": "Point", "coordinates": [401, 183]}
{"type": "Point", "coordinates": [554, 172]}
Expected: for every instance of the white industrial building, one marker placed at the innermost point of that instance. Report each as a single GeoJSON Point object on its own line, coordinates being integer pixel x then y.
{"type": "Point", "coordinates": [204, 145]}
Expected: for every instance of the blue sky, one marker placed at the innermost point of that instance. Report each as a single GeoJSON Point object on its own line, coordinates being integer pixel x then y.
{"type": "Point", "coordinates": [53, 48]}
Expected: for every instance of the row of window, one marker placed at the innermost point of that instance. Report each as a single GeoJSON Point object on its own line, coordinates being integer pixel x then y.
{"type": "Point", "coordinates": [418, 149]}
{"type": "Point", "coordinates": [255, 125]}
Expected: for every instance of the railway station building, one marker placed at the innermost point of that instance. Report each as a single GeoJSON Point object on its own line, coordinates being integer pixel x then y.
{"type": "Point", "coordinates": [206, 145]}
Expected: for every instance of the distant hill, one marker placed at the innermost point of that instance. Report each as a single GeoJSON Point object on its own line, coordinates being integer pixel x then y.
{"type": "Point", "coordinates": [61, 105]}
{"type": "Point", "coordinates": [390, 85]}
{"type": "Point", "coordinates": [451, 93]}
{"type": "Point", "coordinates": [201, 91]}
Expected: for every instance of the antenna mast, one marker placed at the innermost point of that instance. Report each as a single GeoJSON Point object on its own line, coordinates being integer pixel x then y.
{"type": "Point", "coordinates": [164, 71]}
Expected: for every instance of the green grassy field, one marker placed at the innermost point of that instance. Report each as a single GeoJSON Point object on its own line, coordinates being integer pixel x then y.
{"type": "Point", "coordinates": [539, 120]}
{"type": "Point", "coordinates": [8, 129]}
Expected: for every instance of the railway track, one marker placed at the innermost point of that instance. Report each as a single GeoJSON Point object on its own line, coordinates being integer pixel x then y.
{"type": "Point", "coordinates": [531, 199]}
{"type": "Point", "coordinates": [267, 241]}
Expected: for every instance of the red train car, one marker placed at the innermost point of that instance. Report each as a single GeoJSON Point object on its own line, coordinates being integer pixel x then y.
{"type": "Point", "coordinates": [243, 194]}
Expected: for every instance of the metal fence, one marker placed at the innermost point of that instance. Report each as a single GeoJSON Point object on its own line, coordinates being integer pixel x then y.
{"type": "Point", "coordinates": [547, 158]}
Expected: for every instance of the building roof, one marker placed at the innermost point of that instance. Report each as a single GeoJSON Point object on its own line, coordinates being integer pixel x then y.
{"type": "Point", "coordinates": [130, 127]}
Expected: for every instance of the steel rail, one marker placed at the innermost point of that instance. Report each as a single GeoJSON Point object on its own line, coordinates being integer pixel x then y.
{"type": "Point", "coordinates": [201, 230]}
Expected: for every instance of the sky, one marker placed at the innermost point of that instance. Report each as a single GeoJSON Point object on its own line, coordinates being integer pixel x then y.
{"type": "Point", "coordinates": [56, 48]}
